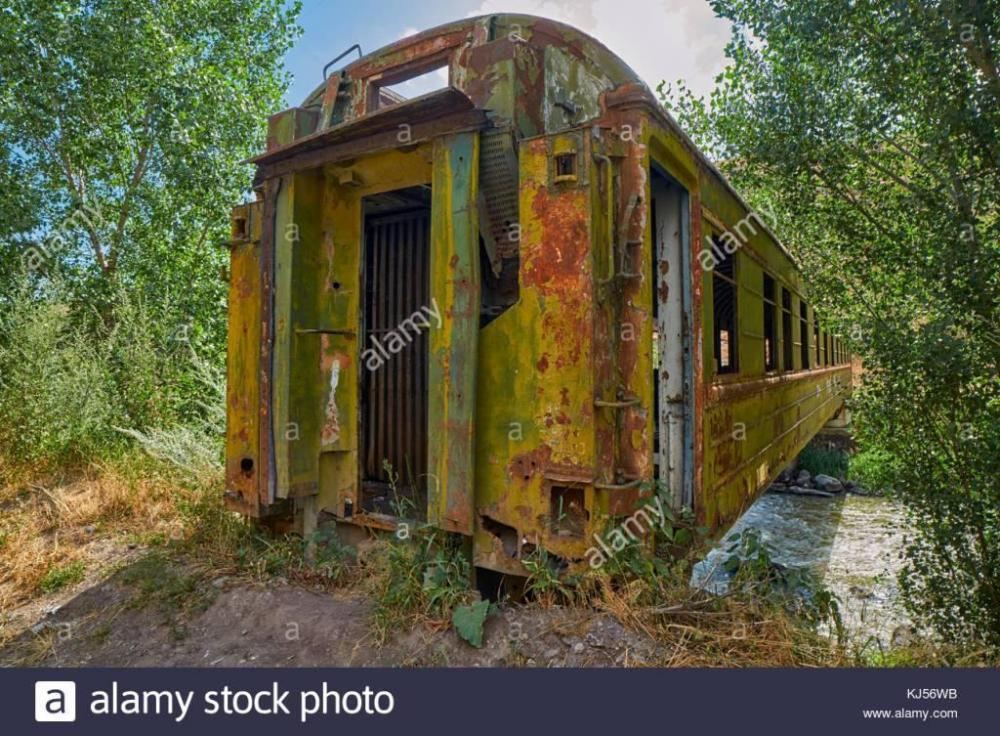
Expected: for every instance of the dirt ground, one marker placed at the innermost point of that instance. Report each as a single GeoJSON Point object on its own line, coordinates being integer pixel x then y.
{"type": "Point", "coordinates": [127, 620]}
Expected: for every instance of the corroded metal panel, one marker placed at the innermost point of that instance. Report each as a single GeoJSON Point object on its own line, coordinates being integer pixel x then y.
{"type": "Point", "coordinates": [454, 346]}
{"type": "Point", "coordinates": [243, 355]}
{"type": "Point", "coordinates": [342, 363]}
{"type": "Point", "coordinates": [535, 409]}
{"type": "Point", "coordinates": [756, 427]}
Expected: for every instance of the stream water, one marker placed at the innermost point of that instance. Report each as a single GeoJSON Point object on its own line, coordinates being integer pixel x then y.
{"type": "Point", "coordinates": [852, 543]}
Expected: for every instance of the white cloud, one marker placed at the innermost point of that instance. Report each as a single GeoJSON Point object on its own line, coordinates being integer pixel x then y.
{"type": "Point", "coordinates": [660, 39]}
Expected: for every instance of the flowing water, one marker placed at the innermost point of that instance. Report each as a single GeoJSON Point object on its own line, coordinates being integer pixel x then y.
{"type": "Point", "coordinates": [852, 543]}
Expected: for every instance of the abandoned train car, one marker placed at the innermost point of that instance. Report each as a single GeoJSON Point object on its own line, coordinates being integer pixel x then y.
{"type": "Point", "coordinates": [510, 307]}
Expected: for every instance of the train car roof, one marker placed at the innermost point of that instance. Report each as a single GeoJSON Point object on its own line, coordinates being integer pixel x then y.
{"type": "Point", "coordinates": [539, 32]}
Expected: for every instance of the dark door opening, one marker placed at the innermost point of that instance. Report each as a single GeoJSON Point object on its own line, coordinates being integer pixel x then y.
{"type": "Point", "coordinates": [396, 316]}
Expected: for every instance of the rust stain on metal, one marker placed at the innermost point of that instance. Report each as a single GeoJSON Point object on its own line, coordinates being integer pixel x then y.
{"type": "Point", "coordinates": [539, 380]}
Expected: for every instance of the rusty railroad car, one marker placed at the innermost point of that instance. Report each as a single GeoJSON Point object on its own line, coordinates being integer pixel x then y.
{"type": "Point", "coordinates": [510, 307]}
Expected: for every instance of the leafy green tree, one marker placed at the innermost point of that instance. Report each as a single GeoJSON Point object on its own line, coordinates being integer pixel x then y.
{"type": "Point", "coordinates": [871, 128]}
{"type": "Point", "coordinates": [122, 127]}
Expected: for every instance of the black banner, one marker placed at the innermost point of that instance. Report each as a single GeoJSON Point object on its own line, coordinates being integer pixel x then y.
{"type": "Point", "coordinates": [498, 701]}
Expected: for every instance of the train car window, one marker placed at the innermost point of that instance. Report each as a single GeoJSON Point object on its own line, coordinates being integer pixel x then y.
{"type": "Point", "coordinates": [770, 328]}
{"type": "Point", "coordinates": [786, 330]}
{"type": "Point", "coordinates": [804, 334]}
{"type": "Point", "coordinates": [724, 296]}
{"type": "Point", "coordinates": [816, 342]}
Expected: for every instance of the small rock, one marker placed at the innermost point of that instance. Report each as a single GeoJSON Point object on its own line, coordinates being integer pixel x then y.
{"type": "Point", "coordinates": [903, 635]}
{"type": "Point", "coordinates": [551, 654]}
{"type": "Point", "coordinates": [578, 647]}
{"type": "Point", "coordinates": [828, 483]}
{"type": "Point", "coordinates": [803, 478]}
{"type": "Point", "coordinates": [778, 487]}
{"type": "Point", "coordinates": [89, 529]}
{"type": "Point", "coordinates": [220, 582]}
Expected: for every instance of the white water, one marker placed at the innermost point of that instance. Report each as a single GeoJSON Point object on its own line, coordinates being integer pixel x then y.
{"type": "Point", "coordinates": [853, 543]}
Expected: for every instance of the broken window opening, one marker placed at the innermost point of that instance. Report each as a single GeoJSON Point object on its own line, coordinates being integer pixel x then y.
{"type": "Point", "coordinates": [770, 328]}
{"type": "Point", "coordinates": [786, 330]}
{"type": "Point", "coordinates": [724, 308]}
{"type": "Point", "coordinates": [399, 88]}
{"type": "Point", "coordinates": [816, 341]}
{"type": "Point", "coordinates": [804, 334]}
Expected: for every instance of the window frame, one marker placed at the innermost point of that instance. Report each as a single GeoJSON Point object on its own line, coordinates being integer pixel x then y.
{"type": "Point", "coordinates": [733, 367]}
{"type": "Point", "coordinates": [770, 309]}
{"type": "Point", "coordinates": [804, 357]}
{"type": "Point", "coordinates": [787, 329]}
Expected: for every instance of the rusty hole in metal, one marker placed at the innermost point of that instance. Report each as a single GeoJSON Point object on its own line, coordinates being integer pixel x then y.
{"type": "Point", "coordinates": [498, 586]}
{"type": "Point", "coordinates": [534, 466]}
{"type": "Point", "coordinates": [568, 515]}
{"type": "Point", "coordinates": [566, 166]}
{"type": "Point", "coordinates": [246, 466]}
{"type": "Point", "coordinates": [506, 534]}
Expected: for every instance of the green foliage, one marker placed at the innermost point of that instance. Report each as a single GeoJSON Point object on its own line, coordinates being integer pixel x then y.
{"type": "Point", "coordinates": [545, 581]}
{"type": "Point", "coordinates": [874, 469]}
{"type": "Point", "coordinates": [468, 621]}
{"type": "Point", "coordinates": [330, 557]}
{"type": "Point", "coordinates": [59, 576]}
{"type": "Point", "coordinates": [57, 397]}
{"type": "Point", "coordinates": [823, 460]}
{"type": "Point", "coordinates": [424, 575]}
{"type": "Point", "coordinates": [73, 391]}
{"type": "Point", "coordinates": [122, 127]}
{"type": "Point", "coordinates": [868, 131]}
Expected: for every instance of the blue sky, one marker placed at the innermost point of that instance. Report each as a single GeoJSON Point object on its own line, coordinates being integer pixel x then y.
{"type": "Point", "coordinates": [660, 39]}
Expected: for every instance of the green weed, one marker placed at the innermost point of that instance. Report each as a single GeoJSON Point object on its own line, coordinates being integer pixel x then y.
{"type": "Point", "coordinates": [59, 576]}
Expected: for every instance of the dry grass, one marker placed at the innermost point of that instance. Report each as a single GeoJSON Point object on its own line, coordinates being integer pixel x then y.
{"type": "Point", "coordinates": [58, 530]}
{"type": "Point", "coordinates": [62, 532]}
{"type": "Point", "coordinates": [696, 629]}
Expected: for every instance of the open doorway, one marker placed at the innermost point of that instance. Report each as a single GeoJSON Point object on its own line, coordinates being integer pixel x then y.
{"type": "Point", "coordinates": [672, 365]}
{"type": "Point", "coordinates": [396, 316]}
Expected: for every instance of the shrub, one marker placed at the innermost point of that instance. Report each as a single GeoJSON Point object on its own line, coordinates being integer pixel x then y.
{"type": "Point", "coordinates": [57, 396]}
{"type": "Point", "coordinates": [827, 461]}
